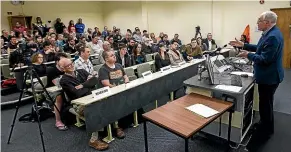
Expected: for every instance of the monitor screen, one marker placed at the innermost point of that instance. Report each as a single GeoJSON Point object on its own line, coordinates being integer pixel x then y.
{"type": "Point", "coordinates": [218, 63]}
{"type": "Point", "coordinates": [209, 69]}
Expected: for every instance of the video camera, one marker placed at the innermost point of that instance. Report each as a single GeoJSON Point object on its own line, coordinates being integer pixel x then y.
{"type": "Point", "coordinates": [197, 28]}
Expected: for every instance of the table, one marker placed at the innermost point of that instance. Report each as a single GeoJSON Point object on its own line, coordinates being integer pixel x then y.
{"type": "Point", "coordinates": [182, 122]}
{"type": "Point", "coordinates": [127, 98]}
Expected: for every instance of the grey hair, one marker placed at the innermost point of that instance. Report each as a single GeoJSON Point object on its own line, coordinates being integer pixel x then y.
{"type": "Point", "coordinates": [270, 16]}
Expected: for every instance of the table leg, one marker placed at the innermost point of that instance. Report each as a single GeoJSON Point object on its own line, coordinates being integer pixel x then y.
{"type": "Point", "coordinates": [186, 145]}
{"type": "Point", "coordinates": [145, 136]}
{"type": "Point", "coordinates": [229, 128]}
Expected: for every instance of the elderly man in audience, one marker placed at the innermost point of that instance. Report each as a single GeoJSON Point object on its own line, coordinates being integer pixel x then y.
{"type": "Point", "coordinates": [122, 57]}
{"type": "Point", "coordinates": [5, 36]}
{"type": "Point", "coordinates": [193, 50]}
{"type": "Point", "coordinates": [138, 36]}
{"type": "Point", "coordinates": [72, 83]}
{"type": "Point", "coordinates": [175, 56]}
{"type": "Point", "coordinates": [176, 38]}
{"type": "Point", "coordinates": [70, 47]}
{"type": "Point", "coordinates": [147, 46]}
{"type": "Point", "coordinates": [210, 43]}
{"type": "Point", "coordinates": [95, 46]}
{"type": "Point", "coordinates": [106, 47]}
{"type": "Point", "coordinates": [83, 61]}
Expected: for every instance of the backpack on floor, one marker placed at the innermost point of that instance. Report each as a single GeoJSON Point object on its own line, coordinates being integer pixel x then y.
{"type": "Point", "coordinates": [44, 110]}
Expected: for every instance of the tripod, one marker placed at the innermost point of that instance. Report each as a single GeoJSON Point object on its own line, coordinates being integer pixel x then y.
{"type": "Point", "coordinates": [32, 73]}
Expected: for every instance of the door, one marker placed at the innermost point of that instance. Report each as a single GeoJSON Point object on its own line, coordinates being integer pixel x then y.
{"type": "Point", "coordinates": [284, 23]}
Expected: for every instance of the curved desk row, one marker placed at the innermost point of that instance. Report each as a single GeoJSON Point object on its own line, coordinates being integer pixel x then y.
{"type": "Point", "coordinates": [127, 98]}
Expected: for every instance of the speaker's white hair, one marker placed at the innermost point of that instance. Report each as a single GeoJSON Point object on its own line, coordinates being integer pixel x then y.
{"type": "Point", "coordinates": [270, 16]}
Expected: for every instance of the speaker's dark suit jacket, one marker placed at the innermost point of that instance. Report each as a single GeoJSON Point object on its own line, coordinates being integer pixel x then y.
{"type": "Point", "coordinates": [267, 60]}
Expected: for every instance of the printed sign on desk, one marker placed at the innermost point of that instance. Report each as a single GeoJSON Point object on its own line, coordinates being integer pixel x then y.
{"type": "Point", "coordinates": [147, 74]}
{"type": "Point", "coordinates": [167, 68]}
{"type": "Point", "coordinates": [101, 93]}
{"type": "Point", "coordinates": [182, 63]}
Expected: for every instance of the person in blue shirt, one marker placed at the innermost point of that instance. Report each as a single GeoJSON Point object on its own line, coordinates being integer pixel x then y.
{"type": "Point", "coordinates": [105, 33]}
{"type": "Point", "coordinates": [268, 73]}
{"type": "Point", "coordinates": [80, 28]}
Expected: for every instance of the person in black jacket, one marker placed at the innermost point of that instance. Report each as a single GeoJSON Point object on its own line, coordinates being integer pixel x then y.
{"type": "Point", "coordinates": [162, 59]}
{"type": "Point", "coordinates": [123, 58]}
{"type": "Point", "coordinates": [72, 83]}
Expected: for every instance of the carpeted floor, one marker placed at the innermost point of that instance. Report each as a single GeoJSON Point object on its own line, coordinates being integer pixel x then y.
{"type": "Point", "coordinates": [26, 136]}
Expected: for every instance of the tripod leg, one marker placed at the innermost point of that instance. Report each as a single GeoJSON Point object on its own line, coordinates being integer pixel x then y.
{"type": "Point", "coordinates": [39, 80]}
{"type": "Point", "coordinates": [17, 107]}
{"type": "Point", "coordinates": [36, 109]}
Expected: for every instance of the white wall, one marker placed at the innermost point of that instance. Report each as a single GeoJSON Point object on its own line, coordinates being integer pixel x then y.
{"type": "Point", "coordinates": [90, 12]}
{"type": "Point", "coordinates": [225, 19]}
{"type": "Point", "coordinates": [124, 15]}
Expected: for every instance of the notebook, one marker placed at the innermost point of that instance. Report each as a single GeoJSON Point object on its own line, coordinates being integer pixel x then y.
{"type": "Point", "coordinates": [202, 110]}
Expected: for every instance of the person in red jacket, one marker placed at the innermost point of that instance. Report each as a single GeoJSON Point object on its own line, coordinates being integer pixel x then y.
{"type": "Point", "coordinates": [19, 28]}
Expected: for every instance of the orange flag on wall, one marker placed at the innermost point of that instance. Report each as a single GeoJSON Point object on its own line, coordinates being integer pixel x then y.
{"type": "Point", "coordinates": [247, 33]}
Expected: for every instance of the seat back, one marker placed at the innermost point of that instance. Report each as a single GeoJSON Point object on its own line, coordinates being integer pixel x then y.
{"type": "Point", "coordinates": [6, 71]}
{"type": "Point", "coordinates": [4, 61]}
{"type": "Point", "coordinates": [95, 62]}
{"type": "Point", "coordinates": [143, 68]}
{"type": "Point", "coordinates": [130, 73]}
{"type": "Point", "coordinates": [97, 67]}
{"type": "Point", "coordinates": [149, 57]}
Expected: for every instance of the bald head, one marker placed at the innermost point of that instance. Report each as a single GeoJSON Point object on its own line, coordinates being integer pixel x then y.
{"type": "Point", "coordinates": [64, 62]}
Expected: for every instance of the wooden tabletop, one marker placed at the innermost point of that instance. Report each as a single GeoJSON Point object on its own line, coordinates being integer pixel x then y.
{"type": "Point", "coordinates": [175, 117]}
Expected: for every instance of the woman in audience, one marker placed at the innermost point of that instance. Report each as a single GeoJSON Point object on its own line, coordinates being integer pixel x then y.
{"type": "Point", "coordinates": [19, 37]}
{"type": "Point", "coordinates": [203, 46]}
{"type": "Point", "coordinates": [97, 32]}
{"type": "Point", "coordinates": [162, 59]}
{"type": "Point", "coordinates": [71, 25]}
{"type": "Point", "coordinates": [89, 35]}
{"type": "Point", "coordinates": [139, 56]}
{"type": "Point", "coordinates": [37, 62]}
{"type": "Point", "coordinates": [192, 51]}
{"type": "Point", "coordinates": [153, 38]}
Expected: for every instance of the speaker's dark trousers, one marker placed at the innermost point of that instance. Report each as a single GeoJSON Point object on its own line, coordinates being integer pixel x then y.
{"type": "Point", "coordinates": [266, 99]}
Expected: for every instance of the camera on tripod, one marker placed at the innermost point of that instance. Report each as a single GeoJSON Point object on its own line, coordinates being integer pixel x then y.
{"type": "Point", "coordinates": [197, 29]}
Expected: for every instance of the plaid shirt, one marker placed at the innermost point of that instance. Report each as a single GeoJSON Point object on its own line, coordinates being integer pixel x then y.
{"type": "Point", "coordinates": [82, 64]}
